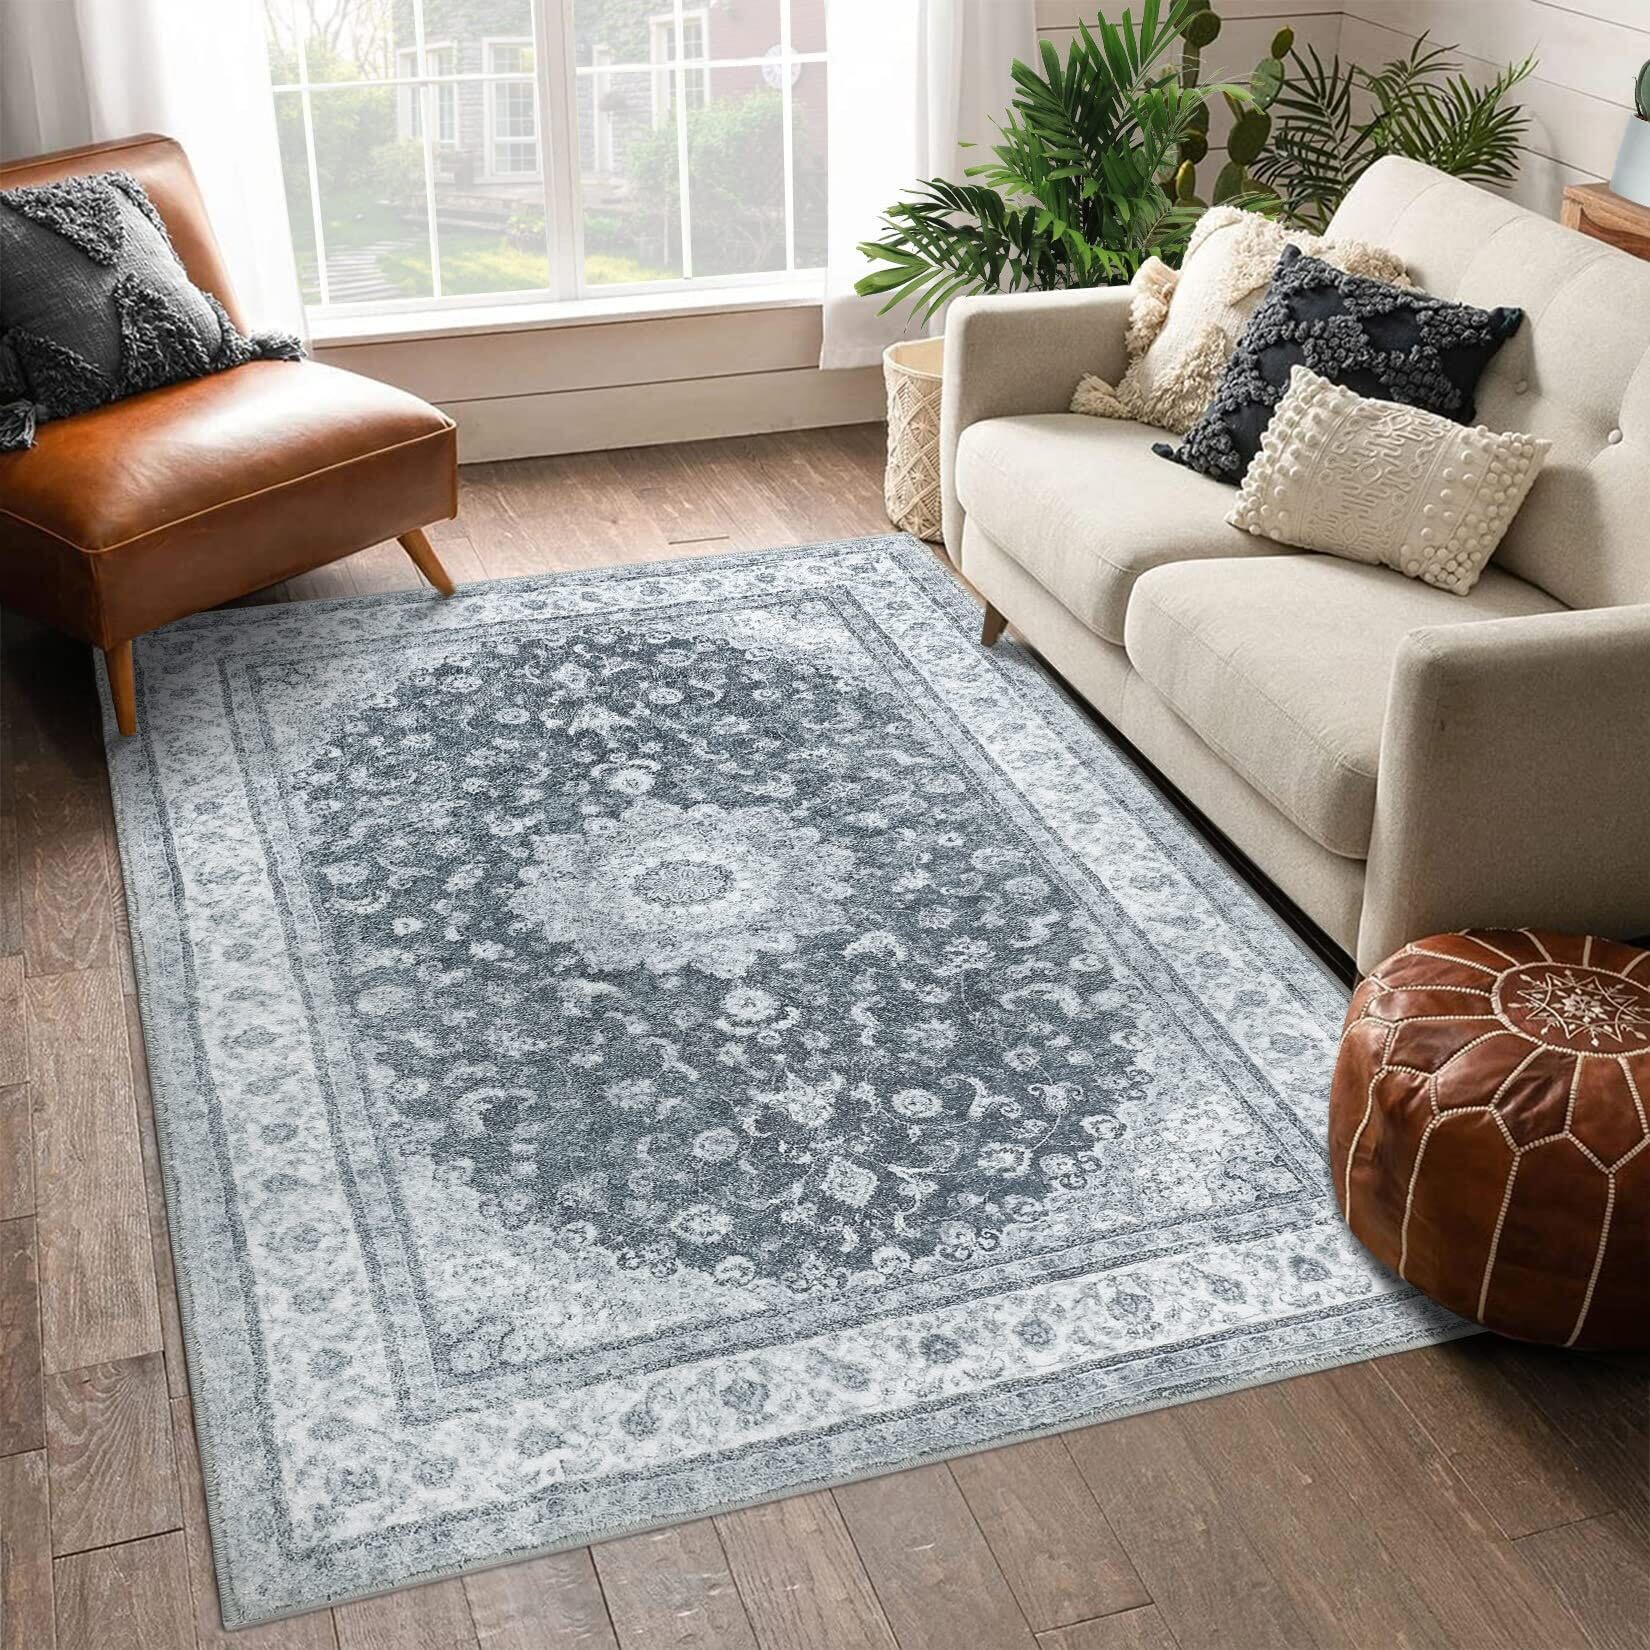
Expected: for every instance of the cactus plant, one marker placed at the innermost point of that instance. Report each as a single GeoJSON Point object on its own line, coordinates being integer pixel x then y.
{"type": "Point", "coordinates": [1641, 93]}
{"type": "Point", "coordinates": [1251, 124]}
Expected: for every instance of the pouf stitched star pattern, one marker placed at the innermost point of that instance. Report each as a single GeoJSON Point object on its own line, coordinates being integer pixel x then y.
{"type": "Point", "coordinates": [1488, 1130]}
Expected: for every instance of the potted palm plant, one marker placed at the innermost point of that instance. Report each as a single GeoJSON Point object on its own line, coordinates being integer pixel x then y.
{"type": "Point", "coordinates": [1093, 174]}
{"type": "Point", "coordinates": [1631, 177]}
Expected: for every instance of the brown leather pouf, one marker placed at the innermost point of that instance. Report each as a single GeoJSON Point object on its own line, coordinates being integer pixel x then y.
{"type": "Point", "coordinates": [1489, 1135]}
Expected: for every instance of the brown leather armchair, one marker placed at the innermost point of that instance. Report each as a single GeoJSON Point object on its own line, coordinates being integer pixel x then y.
{"type": "Point", "coordinates": [122, 519]}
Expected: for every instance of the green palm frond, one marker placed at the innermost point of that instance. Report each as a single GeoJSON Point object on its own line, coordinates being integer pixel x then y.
{"type": "Point", "coordinates": [1072, 193]}
{"type": "Point", "coordinates": [1333, 122]}
{"type": "Point", "coordinates": [1467, 130]}
{"type": "Point", "coordinates": [1317, 148]}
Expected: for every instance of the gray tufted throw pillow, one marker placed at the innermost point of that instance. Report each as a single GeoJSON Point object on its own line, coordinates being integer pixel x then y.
{"type": "Point", "coordinates": [1386, 342]}
{"type": "Point", "coordinates": [95, 305]}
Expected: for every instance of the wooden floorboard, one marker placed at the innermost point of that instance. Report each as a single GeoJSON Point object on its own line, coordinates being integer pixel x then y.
{"type": "Point", "coordinates": [1482, 1495]}
{"type": "Point", "coordinates": [417, 1618]}
{"type": "Point", "coordinates": [27, 1613]}
{"type": "Point", "coordinates": [16, 1144]}
{"type": "Point", "coordinates": [1506, 1451]}
{"type": "Point", "coordinates": [671, 1589]}
{"type": "Point", "coordinates": [1429, 1523]}
{"type": "Point", "coordinates": [97, 1270]}
{"type": "Point", "coordinates": [14, 1049]}
{"type": "Point", "coordinates": [160, 1242]}
{"type": "Point", "coordinates": [109, 1441]}
{"type": "Point", "coordinates": [552, 1603]}
{"type": "Point", "coordinates": [22, 1391]}
{"type": "Point", "coordinates": [1278, 1478]}
{"type": "Point", "coordinates": [938, 1581]}
{"type": "Point", "coordinates": [801, 1578]}
{"type": "Point", "coordinates": [135, 1596]}
{"type": "Point", "coordinates": [1187, 1541]}
{"type": "Point", "coordinates": [1142, 1629]}
{"type": "Point", "coordinates": [1600, 1570]}
{"type": "Point", "coordinates": [1047, 1531]}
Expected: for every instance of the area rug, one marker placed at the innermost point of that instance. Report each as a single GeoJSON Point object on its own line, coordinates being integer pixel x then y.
{"type": "Point", "coordinates": [628, 1044]}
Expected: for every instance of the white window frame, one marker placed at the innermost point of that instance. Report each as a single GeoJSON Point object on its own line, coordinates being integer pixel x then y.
{"type": "Point", "coordinates": [555, 78]}
{"type": "Point", "coordinates": [409, 102]}
{"type": "Point", "coordinates": [496, 79]}
{"type": "Point", "coordinates": [672, 27]}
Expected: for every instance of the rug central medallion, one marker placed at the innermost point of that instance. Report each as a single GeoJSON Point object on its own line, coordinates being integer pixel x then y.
{"type": "Point", "coordinates": [819, 1032]}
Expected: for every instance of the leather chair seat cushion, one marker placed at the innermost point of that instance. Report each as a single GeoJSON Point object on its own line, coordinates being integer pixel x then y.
{"type": "Point", "coordinates": [1487, 1130]}
{"type": "Point", "coordinates": [130, 515]}
{"type": "Point", "coordinates": [1281, 664]}
{"type": "Point", "coordinates": [1085, 508]}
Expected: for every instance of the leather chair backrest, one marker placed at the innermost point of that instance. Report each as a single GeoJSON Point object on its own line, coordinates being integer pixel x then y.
{"type": "Point", "coordinates": [161, 166]}
{"type": "Point", "coordinates": [1577, 372]}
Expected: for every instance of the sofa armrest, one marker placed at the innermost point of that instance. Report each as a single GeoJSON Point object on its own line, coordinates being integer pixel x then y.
{"type": "Point", "coordinates": [1021, 353]}
{"type": "Point", "coordinates": [1514, 784]}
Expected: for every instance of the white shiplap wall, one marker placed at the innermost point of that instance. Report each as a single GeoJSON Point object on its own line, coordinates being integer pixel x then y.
{"type": "Point", "coordinates": [1581, 93]}
{"type": "Point", "coordinates": [1579, 97]}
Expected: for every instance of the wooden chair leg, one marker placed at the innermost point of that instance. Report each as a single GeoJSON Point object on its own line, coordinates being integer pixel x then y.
{"type": "Point", "coordinates": [426, 560]}
{"type": "Point", "coordinates": [993, 627]}
{"type": "Point", "coordinates": [122, 686]}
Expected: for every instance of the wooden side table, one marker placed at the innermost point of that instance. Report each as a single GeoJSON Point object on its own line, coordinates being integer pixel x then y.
{"type": "Point", "coordinates": [1597, 210]}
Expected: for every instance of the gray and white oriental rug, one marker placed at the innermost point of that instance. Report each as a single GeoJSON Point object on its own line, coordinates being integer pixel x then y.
{"type": "Point", "coordinates": [627, 1044]}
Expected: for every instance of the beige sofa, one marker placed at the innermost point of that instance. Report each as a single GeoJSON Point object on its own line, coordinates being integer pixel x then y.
{"type": "Point", "coordinates": [1397, 759]}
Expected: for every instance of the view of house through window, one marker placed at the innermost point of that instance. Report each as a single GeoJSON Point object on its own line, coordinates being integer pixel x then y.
{"type": "Point", "coordinates": [419, 141]}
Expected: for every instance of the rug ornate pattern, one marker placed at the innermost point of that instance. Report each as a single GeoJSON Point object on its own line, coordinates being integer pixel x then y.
{"type": "Point", "coordinates": [632, 1043]}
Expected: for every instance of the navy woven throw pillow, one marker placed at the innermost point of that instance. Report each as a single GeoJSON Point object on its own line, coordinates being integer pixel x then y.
{"type": "Point", "coordinates": [95, 304]}
{"type": "Point", "coordinates": [1383, 341]}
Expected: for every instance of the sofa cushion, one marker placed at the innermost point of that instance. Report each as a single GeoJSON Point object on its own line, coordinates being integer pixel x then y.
{"type": "Point", "coordinates": [1281, 665]}
{"type": "Point", "coordinates": [1083, 506]}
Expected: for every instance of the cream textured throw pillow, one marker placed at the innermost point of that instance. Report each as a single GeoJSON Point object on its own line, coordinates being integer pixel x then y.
{"type": "Point", "coordinates": [1375, 481]}
{"type": "Point", "coordinates": [1184, 325]}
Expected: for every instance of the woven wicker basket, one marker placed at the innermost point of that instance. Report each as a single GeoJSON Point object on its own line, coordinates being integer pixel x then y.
{"type": "Point", "coordinates": [911, 485]}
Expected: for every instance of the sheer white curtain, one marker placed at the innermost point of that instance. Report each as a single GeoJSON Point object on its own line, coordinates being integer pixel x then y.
{"type": "Point", "coordinates": [909, 80]}
{"type": "Point", "coordinates": [83, 71]}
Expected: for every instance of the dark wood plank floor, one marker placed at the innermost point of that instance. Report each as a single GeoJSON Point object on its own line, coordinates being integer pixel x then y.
{"type": "Point", "coordinates": [1481, 1494]}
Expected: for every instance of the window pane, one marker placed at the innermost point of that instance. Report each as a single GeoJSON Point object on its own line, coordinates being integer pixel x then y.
{"type": "Point", "coordinates": [628, 170]}
{"type": "Point", "coordinates": [807, 25]}
{"type": "Point", "coordinates": [489, 192]}
{"type": "Point", "coordinates": [736, 174]}
{"type": "Point", "coordinates": [342, 39]}
{"type": "Point", "coordinates": [373, 213]}
{"type": "Point", "coordinates": [633, 32]}
{"type": "Point", "coordinates": [618, 31]}
{"type": "Point", "coordinates": [470, 26]}
{"type": "Point", "coordinates": [808, 127]}
{"type": "Point", "coordinates": [289, 126]}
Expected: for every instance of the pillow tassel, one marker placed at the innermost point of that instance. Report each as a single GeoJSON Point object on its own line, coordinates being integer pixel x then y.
{"type": "Point", "coordinates": [1097, 398]}
{"type": "Point", "coordinates": [16, 426]}
{"type": "Point", "coordinates": [276, 346]}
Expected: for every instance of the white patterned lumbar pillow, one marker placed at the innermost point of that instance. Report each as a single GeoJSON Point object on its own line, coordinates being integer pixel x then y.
{"type": "Point", "coordinates": [1184, 324]}
{"type": "Point", "coordinates": [1375, 481]}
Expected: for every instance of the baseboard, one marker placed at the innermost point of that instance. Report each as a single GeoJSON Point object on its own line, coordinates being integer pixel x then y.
{"type": "Point", "coordinates": [648, 414]}
{"type": "Point", "coordinates": [580, 386]}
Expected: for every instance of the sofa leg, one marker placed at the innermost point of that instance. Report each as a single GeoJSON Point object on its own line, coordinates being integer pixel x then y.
{"type": "Point", "coordinates": [993, 627]}
{"type": "Point", "coordinates": [122, 686]}
{"type": "Point", "coordinates": [426, 560]}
